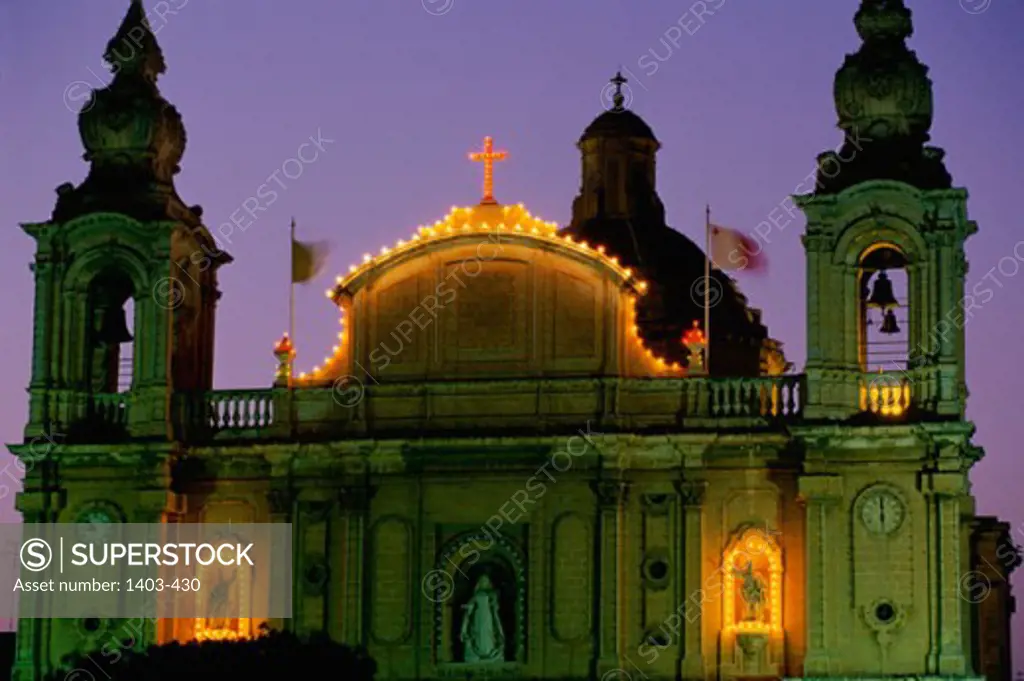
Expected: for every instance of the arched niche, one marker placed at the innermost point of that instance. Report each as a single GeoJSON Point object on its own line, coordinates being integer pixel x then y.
{"type": "Point", "coordinates": [457, 572]}
{"type": "Point", "coordinates": [752, 557]}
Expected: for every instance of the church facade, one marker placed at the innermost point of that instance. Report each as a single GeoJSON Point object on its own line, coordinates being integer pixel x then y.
{"type": "Point", "coordinates": [523, 457]}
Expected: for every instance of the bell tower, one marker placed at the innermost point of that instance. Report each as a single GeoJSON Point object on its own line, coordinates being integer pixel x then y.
{"type": "Point", "coordinates": [125, 272]}
{"type": "Point", "coordinates": [885, 242]}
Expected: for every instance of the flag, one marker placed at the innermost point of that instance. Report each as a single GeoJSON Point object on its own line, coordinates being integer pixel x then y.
{"type": "Point", "coordinates": [308, 260]}
{"type": "Point", "coordinates": [732, 250]}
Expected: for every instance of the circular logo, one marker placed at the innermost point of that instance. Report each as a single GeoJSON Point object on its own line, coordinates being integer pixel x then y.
{"type": "Point", "coordinates": [709, 286]}
{"type": "Point", "coordinates": [76, 92]}
{"type": "Point", "coordinates": [975, 6]}
{"type": "Point", "coordinates": [438, 8]}
{"type": "Point", "coordinates": [974, 586]}
{"type": "Point", "coordinates": [616, 675]}
{"type": "Point", "coordinates": [348, 391]}
{"type": "Point", "coordinates": [438, 586]}
{"type": "Point", "coordinates": [608, 97]}
{"type": "Point", "coordinates": [79, 675]}
{"type": "Point", "coordinates": [36, 555]}
{"type": "Point", "coordinates": [169, 293]}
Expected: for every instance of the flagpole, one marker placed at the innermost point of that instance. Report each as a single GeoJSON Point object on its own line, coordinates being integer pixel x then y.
{"type": "Point", "coordinates": [291, 304]}
{"type": "Point", "coordinates": [707, 289]}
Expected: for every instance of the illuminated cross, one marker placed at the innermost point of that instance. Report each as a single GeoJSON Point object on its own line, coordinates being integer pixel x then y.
{"type": "Point", "coordinates": [488, 156]}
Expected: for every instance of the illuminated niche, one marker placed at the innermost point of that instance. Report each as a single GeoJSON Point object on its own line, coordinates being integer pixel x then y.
{"type": "Point", "coordinates": [752, 585]}
{"type": "Point", "coordinates": [224, 597]}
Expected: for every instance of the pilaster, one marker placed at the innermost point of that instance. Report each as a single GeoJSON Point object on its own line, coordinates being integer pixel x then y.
{"type": "Point", "coordinates": [943, 495]}
{"type": "Point", "coordinates": [692, 493]}
{"type": "Point", "coordinates": [354, 506]}
{"type": "Point", "coordinates": [35, 636]}
{"type": "Point", "coordinates": [312, 523]}
{"type": "Point", "coordinates": [820, 495]}
{"type": "Point", "coordinates": [611, 500]}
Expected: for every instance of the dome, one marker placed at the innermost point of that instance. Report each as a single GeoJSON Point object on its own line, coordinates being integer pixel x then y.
{"type": "Point", "coordinates": [482, 219]}
{"type": "Point", "coordinates": [882, 91]}
{"type": "Point", "coordinates": [673, 267]}
{"type": "Point", "coordinates": [618, 123]}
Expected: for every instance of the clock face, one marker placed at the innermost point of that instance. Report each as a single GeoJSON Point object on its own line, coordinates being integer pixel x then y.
{"type": "Point", "coordinates": [100, 519]}
{"type": "Point", "coordinates": [882, 512]}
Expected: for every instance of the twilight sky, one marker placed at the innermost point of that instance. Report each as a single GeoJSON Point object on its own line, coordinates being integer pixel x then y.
{"type": "Point", "coordinates": [398, 92]}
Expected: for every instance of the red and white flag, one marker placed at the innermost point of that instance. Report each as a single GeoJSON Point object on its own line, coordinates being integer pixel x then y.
{"type": "Point", "coordinates": [732, 251]}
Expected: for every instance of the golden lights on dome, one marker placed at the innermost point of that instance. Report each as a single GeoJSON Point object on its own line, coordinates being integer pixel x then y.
{"type": "Point", "coordinates": [655, 363]}
{"type": "Point", "coordinates": [490, 219]}
{"type": "Point", "coordinates": [494, 220]}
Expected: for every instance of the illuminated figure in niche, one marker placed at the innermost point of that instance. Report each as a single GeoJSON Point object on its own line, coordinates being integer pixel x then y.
{"type": "Point", "coordinates": [752, 592]}
{"type": "Point", "coordinates": [753, 584]}
{"type": "Point", "coordinates": [223, 602]}
{"type": "Point", "coordinates": [481, 626]}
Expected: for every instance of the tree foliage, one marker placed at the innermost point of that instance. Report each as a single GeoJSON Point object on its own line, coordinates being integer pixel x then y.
{"type": "Point", "coordinates": [273, 656]}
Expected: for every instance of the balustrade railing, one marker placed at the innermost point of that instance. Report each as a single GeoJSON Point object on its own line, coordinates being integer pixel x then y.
{"type": "Point", "coordinates": [771, 397]}
{"type": "Point", "coordinates": [239, 409]}
{"type": "Point", "coordinates": [886, 394]}
{"type": "Point", "coordinates": [109, 409]}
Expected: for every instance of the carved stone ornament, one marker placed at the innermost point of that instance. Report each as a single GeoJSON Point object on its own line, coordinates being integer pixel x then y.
{"type": "Point", "coordinates": [692, 492]}
{"type": "Point", "coordinates": [884, 617]}
{"type": "Point", "coordinates": [356, 498]}
{"type": "Point", "coordinates": [609, 492]}
{"type": "Point", "coordinates": [280, 501]}
{"type": "Point", "coordinates": [657, 504]}
{"type": "Point", "coordinates": [315, 573]}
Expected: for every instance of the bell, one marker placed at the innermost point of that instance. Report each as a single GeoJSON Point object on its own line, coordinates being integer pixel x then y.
{"type": "Point", "coordinates": [882, 295]}
{"type": "Point", "coordinates": [115, 329]}
{"type": "Point", "coordinates": [889, 325]}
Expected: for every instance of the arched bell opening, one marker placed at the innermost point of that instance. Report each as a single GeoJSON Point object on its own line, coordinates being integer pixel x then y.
{"type": "Point", "coordinates": [110, 333]}
{"type": "Point", "coordinates": [884, 329]}
{"type": "Point", "coordinates": [884, 310]}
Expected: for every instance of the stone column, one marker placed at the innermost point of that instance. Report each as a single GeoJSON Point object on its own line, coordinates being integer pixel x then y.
{"type": "Point", "coordinates": [611, 499]}
{"type": "Point", "coordinates": [42, 349]}
{"type": "Point", "coordinates": [943, 493]}
{"type": "Point", "coordinates": [692, 493]}
{"type": "Point", "coordinates": [820, 494]}
{"type": "Point", "coordinates": [355, 510]}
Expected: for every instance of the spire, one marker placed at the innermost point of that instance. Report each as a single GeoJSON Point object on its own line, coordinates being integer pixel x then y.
{"type": "Point", "coordinates": [883, 91]}
{"type": "Point", "coordinates": [883, 100]}
{"type": "Point", "coordinates": [133, 137]}
{"type": "Point", "coordinates": [133, 52]}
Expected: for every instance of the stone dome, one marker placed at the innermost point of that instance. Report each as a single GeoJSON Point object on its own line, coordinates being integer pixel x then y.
{"type": "Point", "coordinates": [618, 123]}
{"type": "Point", "coordinates": [882, 91]}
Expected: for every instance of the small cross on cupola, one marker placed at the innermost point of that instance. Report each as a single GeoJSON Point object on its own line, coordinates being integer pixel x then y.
{"type": "Point", "coordinates": [618, 99]}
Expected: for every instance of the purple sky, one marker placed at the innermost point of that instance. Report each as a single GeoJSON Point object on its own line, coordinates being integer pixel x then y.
{"type": "Point", "coordinates": [741, 103]}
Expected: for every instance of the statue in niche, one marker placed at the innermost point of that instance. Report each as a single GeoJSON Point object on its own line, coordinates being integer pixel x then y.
{"type": "Point", "coordinates": [752, 592]}
{"type": "Point", "coordinates": [481, 631]}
